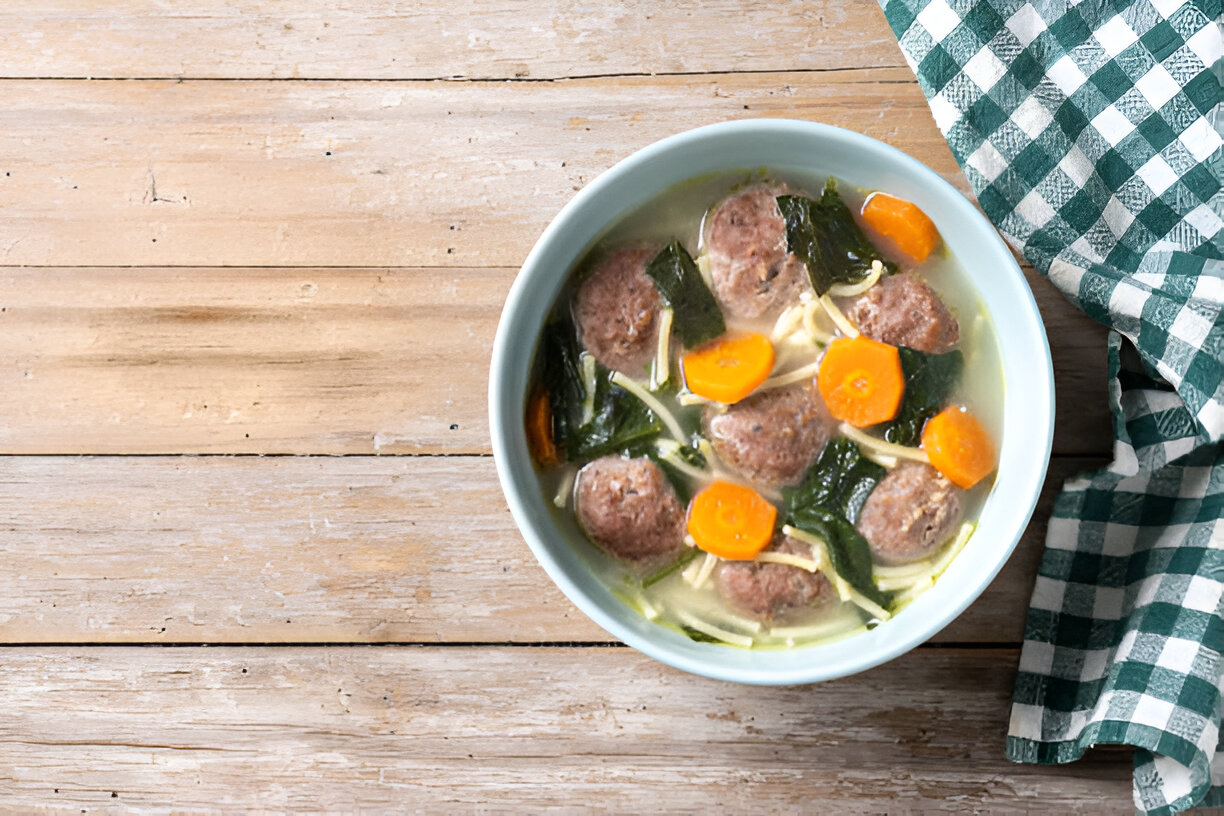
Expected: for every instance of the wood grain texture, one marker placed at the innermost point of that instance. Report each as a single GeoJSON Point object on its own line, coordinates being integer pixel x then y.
{"type": "Point", "coordinates": [287, 549]}
{"type": "Point", "coordinates": [336, 39]}
{"type": "Point", "coordinates": [513, 729]}
{"type": "Point", "coordinates": [97, 360]}
{"type": "Point", "coordinates": [456, 174]}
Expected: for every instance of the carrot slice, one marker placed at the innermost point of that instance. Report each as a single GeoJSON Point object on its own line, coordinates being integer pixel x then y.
{"type": "Point", "coordinates": [731, 521]}
{"type": "Point", "coordinates": [958, 446]}
{"type": "Point", "coordinates": [539, 429]}
{"type": "Point", "coordinates": [730, 368]}
{"type": "Point", "coordinates": [900, 221]}
{"type": "Point", "coordinates": [861, 380]}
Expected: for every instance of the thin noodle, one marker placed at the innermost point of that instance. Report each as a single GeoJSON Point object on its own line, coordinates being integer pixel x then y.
{"type": "Point", "coordinates": [835, 314]}
{"type": "Point", "coordinates": [853, 289]}
{"type": "Point", "coordinates": [880, 446]}
{"type": "Point", "coordinates": [790, 377]}
{"type": "Point", "coordinates": [652, 402]}
{"type": "Point", "coordinates": [662, 366]}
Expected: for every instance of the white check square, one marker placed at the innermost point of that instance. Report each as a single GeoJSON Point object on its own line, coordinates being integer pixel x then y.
{"type": "Point", "coordinates": [1117, 217]}
{"type": "Point", "coordinates": [1167, 7]}
{"type": "Point", "coordinates": [938, 19]}
{"type": "Point", "coordinates": [1157, 86]}
{"type": "Point", "coordinates": [1035, 209]}
{"type": "Point", "coordinates": [1192, 329]}
{"type": "Point", "coordinates": [1076, 165]}
{"type": "Point", "coordinates": [946, 114]}
{"type": "Point", "coordinates": [1206, 44]}
{"type": "Point", "coordinates": [1179, 654]}
{"type": "Point", "coordinates": [1205, 221]}
{"type": "Point", "coordinates": [1032, 117]}
{"type": "Point", "coordinates": [1026, 24]}
{"type": "Point", "coordinates": [1066, 75]}
{"type": "Point", "coordinates": [1153, 712]}
{"type": "Point", "coordinates": [1113, 125]}
{"type": "Point", "coordinates": [1157, 174]}
{"type": "Point", "coordinates": [985, 69]}
{"type": "Point", "coordinates": [1115, 36]}
{"type": "Point", "coordinates": [988, 161]}
{"type": "Point", "coordinates": [1200, 139]}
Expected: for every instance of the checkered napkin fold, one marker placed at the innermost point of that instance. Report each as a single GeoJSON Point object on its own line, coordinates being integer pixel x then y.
{"type": "Point", "coordinates": [1089, 135]}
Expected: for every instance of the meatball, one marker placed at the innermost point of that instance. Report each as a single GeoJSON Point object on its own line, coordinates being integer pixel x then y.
{"type": "Point", "coordinates": [766, 591]}
{"type": "Point", "coordinates": [617, 309]}
{"type": "Point", "coordinates": [772, 437]}
{"type": "Point", "coordinates": [911, 512]}
{"type": "Point", "coordinates": [753, 273]}
{"type": "Point", "coordinates": [903, 310]}
{"type": "Point", "coordinates": [628, 507]}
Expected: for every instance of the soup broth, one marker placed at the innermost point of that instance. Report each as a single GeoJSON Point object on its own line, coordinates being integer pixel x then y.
{"type": "Point", "coordinates": [688, 588]}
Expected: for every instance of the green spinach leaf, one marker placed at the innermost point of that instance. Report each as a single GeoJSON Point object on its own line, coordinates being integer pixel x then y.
{"type": "Point", "coordinates": [562, 378]}
{"type": "Point", "coordinates": [697, 316]}
{"type": "Point", "coordinates": [840, 481]}
{"type": "Point", "coordinates": [828, 502]}
{"type": "Point", "coordinates": [699, 636]}
{"type": "Point", "coordinates": [825, 236]}
{"type": "Point", "coordinates": [929, 380]}
{"type": "Point", "coordinates": [848, 550]}
{"type": "Point", "coordinates": [620, 422]}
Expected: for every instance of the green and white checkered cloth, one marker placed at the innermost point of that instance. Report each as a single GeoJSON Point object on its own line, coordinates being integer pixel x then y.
{"type": "Point", "coordinates": [1089, 134]}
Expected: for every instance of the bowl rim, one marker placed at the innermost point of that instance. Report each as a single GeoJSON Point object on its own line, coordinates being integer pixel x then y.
{"type": "Point", "coordinates": [502, 420]}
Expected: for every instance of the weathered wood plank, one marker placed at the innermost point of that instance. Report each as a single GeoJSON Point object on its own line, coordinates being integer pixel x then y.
{"type": "Point", "coordinates": [358, 728]}
{"type": "Point", "coordinates": [287, 549]}
{"type": "Point", "coordinates": [246, 360]}
{"type": "Point", "coordinates": [367, 174]}
{"type": "Point", "coordinates": [312, 361]}
{"type": "Point", "coordinates": [334, 39]}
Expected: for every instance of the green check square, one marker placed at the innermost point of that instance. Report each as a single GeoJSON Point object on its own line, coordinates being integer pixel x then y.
{"type": "Point", "coordinates": [1070, 30]}
{"type": "Point", "coordinates": [983, 21]}
{"type": "Point", "coordinates": [1111, 81]}
{"type": "Point", "coordinates": [1113, 169]}
{"type": "Point", "coordinates": [1034, 162]}
{"type": "Point", "coordinates": [1027, 70]}
{"type": "Point", "coordinates": [900, 16]}
{"type": "Point", "coordinates": [1196, 694]}
{"type": "Point", "coordinates": [1161, 40]}
{"type": "Point", "coordinates": [1122, 256]}
{"type": "Point", "coordinates": [937, 68]}
{"type": "Point", "coordinates": [1187, 560]}
{"type": "Point", "coordinates": [1204, 92]}
{"type": "Point", "coordinates": [1133, 677]}
{"type": "Point", "coordinates": [1160, 618]}
{"type": "Point", "coordinates": [1061, 694]}
{"type": "Point", "coordinates": [992, 196]}
{"type": "Point", "coordinates": [1081, 211]}
{"type": "Point", "coordinates": [987, 115]}
{"type": "Point", "coordinates": [1159, 217]}
{"type": "Point", "coordinates": [1157, 132]}
{"type": "Point", "coordinates": [1200, 181]}
{"type": "Point", "coordinates": [1071, 119]}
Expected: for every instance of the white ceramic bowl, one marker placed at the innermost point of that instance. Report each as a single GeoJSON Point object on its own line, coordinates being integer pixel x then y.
{"type": "Point", "coordinates": [811, 149]}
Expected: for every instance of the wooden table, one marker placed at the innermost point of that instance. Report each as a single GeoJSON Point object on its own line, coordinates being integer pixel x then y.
{"type": "Point", "coordinates": [255, 554]}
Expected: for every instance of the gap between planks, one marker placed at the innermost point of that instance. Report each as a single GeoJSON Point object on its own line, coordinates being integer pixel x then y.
{"type": "Point", "coordinates": [969, 646]}
{"type": "Point", "coordinates": [478, 79]}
